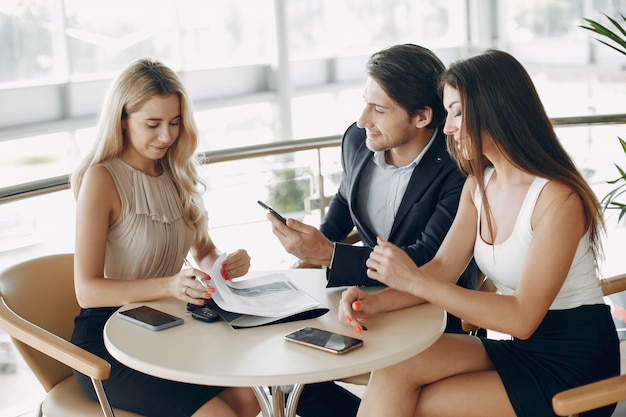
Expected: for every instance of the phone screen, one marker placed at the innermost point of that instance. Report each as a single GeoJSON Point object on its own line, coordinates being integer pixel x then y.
{"type": "Point", "coordinates": [271, 210]}
{"type": "Point", "coordinates": [150, 318]}
{"type": "Point", "coordinates": [323, 339]}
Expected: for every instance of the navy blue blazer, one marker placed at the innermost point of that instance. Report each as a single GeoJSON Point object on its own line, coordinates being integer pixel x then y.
{"type": "Point", "coordinates": [421, 223]}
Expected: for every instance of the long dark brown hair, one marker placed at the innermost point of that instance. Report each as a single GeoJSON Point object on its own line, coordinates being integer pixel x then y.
{"type": "Point", "coordinates": [499, 99]}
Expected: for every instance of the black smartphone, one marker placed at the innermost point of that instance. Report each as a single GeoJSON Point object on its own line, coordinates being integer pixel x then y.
{"type": "Point", "coordinates": [324, 340]}
{"type": "Point", "coordinates": [271, 210]}
{"type": "Point", "coordinates": [150, 318]}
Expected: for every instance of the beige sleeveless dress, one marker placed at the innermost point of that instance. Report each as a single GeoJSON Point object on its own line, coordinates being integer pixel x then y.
{"type": "Point", "coordinates": [150, 238]}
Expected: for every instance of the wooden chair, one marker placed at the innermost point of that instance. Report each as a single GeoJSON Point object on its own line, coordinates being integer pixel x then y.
{"type": "Point", "coordinates": [598, 394]}
{"type": "Point", "coordinates": [37, 309]}
{"type": "Point", "coordinates": [352, 238]}
{"type": "Point", "coordinates": [486, 285]}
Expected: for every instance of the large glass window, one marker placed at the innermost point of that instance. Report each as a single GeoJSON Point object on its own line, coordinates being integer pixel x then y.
{"type": "Point", "coordinates": [58, 39]}
{"type": "Point", "coordinates": [225, 33]}
{"type": "Point", "coordinates": [354, 26]}
{"type": "Point", "coordinates": [29, 38]}
{"type": "Point", "coordinates": [236, 126]}
{"type": "Point", "coordinates": [33, 158]}
{"type": "Point", "coordinates": [548, 32]}
{"type": "Point", "coordinates": [574, 73]}
{"type": "Point", "coordinates": [104, 37]}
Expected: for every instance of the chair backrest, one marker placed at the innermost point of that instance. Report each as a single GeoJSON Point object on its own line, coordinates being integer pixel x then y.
{"type": "Point", "coordinates": [577, 400]}
{"type": "Point", "coordinates": [613, 285]}
{"type": "Point", "coordinates": [41, 291]}
{"type": "Point", "coordinates": [484, 285]}
{"type": "Point", "coordinates": [614, 290]}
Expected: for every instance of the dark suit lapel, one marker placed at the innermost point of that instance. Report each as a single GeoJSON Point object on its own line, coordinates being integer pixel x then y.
{"type": "Point", "coordinates": [423, 174]}
{"type": "Point", "coordinates": [364, 157]}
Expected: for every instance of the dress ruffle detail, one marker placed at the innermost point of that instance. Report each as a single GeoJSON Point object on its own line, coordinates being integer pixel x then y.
{"type": "Point", "coordinates": [156, 197]}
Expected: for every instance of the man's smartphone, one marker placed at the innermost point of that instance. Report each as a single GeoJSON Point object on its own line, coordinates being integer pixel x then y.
{"type": "Point", "coordinates": [324, 340]}
{"type": "Point", "coordinates": [271, 210]}
{"type": "Point", "coordinates": [150, 318]}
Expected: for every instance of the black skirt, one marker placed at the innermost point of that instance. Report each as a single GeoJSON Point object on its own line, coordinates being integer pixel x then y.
{"type": "Point", "coordinates": [570, 348]}
{"type": "Point", "coordinates": [131, 390]}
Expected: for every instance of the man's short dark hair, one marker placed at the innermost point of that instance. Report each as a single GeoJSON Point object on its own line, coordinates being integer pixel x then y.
{"type": "Point", "coordinates": [409, 74]}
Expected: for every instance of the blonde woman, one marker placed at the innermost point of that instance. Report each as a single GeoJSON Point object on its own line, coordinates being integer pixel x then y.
{"type": "Point", "coordinates": [139, 213]}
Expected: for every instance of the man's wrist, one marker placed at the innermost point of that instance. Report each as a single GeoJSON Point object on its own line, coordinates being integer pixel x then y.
{"type": "Point", "coordinates": [332, 256]}
{"type": "Point", "coordinates": [323, 255]}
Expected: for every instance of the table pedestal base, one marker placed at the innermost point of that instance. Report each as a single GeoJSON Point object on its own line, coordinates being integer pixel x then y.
{"type": "Point", "coordinates": [276, 406]}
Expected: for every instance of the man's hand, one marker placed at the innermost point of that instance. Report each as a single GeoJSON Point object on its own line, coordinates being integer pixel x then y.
{"type": "Point", "coordinates": [303, 241]}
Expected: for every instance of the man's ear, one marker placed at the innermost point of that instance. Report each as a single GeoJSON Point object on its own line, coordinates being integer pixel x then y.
{"type": "Point", "coordinates": [423, 117]}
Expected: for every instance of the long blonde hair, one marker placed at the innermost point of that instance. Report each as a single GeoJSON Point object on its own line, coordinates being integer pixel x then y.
{"type": "Point", "coordinates": [142, 80]}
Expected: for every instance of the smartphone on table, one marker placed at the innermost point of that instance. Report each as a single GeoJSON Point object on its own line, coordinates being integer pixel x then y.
{"type": "Point", "coordinates": [322, 339]}
{"type": "Point", "coordinates": [272, 211]}
{"type": "Point", "coordinates": [150, 318]}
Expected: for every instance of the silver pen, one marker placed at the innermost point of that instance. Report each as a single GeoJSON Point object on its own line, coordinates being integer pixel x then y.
{"type": "Point", "coordinates": [200, 280]}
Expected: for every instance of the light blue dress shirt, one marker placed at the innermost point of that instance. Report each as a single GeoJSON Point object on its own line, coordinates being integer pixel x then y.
{"type": "Point", "coordinates": [385, 185]}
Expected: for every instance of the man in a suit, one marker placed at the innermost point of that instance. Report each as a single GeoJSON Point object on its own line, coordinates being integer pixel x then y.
{"type": "Point", "coordinates": [398, 182]}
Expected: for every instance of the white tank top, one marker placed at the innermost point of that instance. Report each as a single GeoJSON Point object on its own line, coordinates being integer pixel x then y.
{"type": "Point", "coordinates": [503, 262]}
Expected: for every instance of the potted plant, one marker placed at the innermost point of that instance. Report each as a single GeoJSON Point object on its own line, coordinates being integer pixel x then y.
{"type": "Point", "coordinates": [610, 201]}
{"type": "Point", "coordinates": [615, 39]}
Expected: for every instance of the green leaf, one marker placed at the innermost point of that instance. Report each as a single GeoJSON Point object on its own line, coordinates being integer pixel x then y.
{"type": "Point", "coordinates": [621, 171]}
{"type": "Point", "coordinates": [611, 46]}
{"type": "Point", "coordinates": [609, 202]}
{"type": "Point", "coordinates": [623, 143]}
{"type": "Point", "coordinates": [619, 36]}
{"type": "Point", "coordinates": [617, 25]}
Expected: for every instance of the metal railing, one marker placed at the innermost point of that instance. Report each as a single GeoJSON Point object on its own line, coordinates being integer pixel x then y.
{"type": "Point", "coordinates": [50, 185]}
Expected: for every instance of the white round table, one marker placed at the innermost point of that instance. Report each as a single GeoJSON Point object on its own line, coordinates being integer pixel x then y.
{"type": "Point", "coordinates": [215, 354]}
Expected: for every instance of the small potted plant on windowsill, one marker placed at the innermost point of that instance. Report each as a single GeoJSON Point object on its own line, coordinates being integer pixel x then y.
{"type": "Point", "coordinates": [617, 37]}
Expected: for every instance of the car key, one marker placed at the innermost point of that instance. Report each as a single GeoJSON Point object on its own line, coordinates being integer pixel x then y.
{"type": "Point", "coordinates": [192, 307]}
{"type": "Point", "coordinates": [205, 314]}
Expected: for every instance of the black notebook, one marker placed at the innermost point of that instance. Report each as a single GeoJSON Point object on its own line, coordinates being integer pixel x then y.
{"type": "Point", "coordinates": [243, 321]}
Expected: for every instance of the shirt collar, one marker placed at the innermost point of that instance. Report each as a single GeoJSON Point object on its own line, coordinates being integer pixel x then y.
{"type": "Point", "coordinates": [379, 156]}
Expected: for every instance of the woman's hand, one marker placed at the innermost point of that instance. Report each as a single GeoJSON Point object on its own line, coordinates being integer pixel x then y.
{"type": "Point", "coordinates": [355, 307]}
{"type": "Point", "coordinates": [392, 266]}
{"type": "Point", "coordinates": [236, 264]}
{"type": "Point", "coordinates": [192, 286]}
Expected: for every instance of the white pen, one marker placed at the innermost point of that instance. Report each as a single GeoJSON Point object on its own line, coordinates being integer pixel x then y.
{"type": "Point", "coordinates": [200, 280]}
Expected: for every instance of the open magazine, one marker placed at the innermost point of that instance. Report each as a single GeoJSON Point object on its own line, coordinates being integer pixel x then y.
{"type": "Point", "coordinates": [257, 299]}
